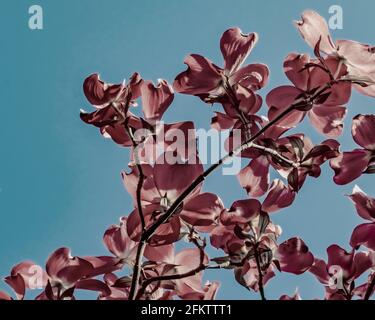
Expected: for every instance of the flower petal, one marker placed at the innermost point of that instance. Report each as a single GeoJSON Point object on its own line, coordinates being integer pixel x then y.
{"type": "Point", "coordinates": [279, 196]}
{"type": "Point", "coordinates": [156, 99]}
{"type": "Point", "coordinates": [255, 176]}
{"type": "Point", "coordinates": [235, 47]}
{"type": "Point", "coordinates": [312, 28]}
{"type": "Point", "coordinates": [348, 166]}
{"type": "Point", "coordinates": [364, 204]}
{"type": "Point", "coordinates": [201, 76]}
{"type": "Point", "coordinates": [328, 120]}
{"type": "Point", "coordinates": [364, 235]}
{"type": "Point", "coordinates": [202, 210]}
{"type": "Point", "coordinates": [278, 100]}
{"type": "Point", "coordinates": [294, 256]}
{"type": "Point", "coordinates": [241, 211]}
{"type": "Point", "coordinates": [363, 129]}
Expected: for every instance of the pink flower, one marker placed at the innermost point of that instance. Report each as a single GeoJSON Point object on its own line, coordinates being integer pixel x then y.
{"type": "Point", "coordinates": [327, 112]}
{"type": "Point", "coordinates": [205, 79]}
{"type": "Point", "coordinates": [358, 58]}
{"type": "Point", "coordinates": [348, 166]}
{"type": "Point", "coordinates": [341, 270]}
{"type": "Point", "coordinates": [113, 101]}
{"type": "Point", "coordinates": [26, 275]}
{"type": "Point", "coordinates": [67, 273]}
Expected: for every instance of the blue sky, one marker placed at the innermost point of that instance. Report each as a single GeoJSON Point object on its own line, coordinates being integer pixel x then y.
{"type": "Point", "coordinates": [60, 181]}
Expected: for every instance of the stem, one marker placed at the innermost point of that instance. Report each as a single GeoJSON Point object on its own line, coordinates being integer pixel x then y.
{"type": "Point", "coordinates": [137, 270]}
{"type": "Point", "coordinates": [276, 154]}
{"type": "Point", "coordinates": [370, 288]}
{"type": "Point", "coordinates": [142, 244]}
{"type": "Point", "coordinates": [141, 178]}
{"type": "Point", "coordinates": [260, 281]}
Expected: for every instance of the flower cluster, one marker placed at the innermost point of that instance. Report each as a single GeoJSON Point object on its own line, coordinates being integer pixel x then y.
{"type": "Point", "coordinates": [165, 177]}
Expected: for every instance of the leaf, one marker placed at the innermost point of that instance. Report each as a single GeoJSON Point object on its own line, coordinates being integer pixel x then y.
{"type": "Point", "coordinates": [322, 98]}
{"type": "Point", "coordinates": [293, 179]}
{"type": "Point", "coordinates": [370, 169]}
{"type": "Point", "coordinates": [238, 276]}
{"type": "Point", "coordinates": [298, 144]}
{"type": "Point", "coordinates": [317, 151]}
{"type": "Point", "coordinates": [264, 220]}
{"type": "Point", "coordinates": [123, 282]}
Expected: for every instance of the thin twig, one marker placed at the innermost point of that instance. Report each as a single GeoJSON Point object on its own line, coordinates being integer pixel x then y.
{"type": "Point", "coordinates": [260, 274]}
{"type": "Point", "coordinates": [276, 154]}
{"type": "Point", "coordinates": [370, 288]}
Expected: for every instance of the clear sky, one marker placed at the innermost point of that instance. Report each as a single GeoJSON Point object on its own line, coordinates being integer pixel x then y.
{"type": "Point", "coordinates": [60, 181]}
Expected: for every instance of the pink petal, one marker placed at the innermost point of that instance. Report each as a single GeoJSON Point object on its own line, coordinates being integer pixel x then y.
{"type": "Point", "coordinates": [64, 268]}
{"type": "Point", "coordinates": [94, 285]}
{"type": "Point", "coordinates": [201, 76]}
{"type": "Point", "coordinates": [252, 76]}
{"type": "Point", "coordinates": [222, 122]}
{"type": "Point", "coordinates": [364, 204]}
{"type": "Point", "coordinates": [172, 179]}
{"type": "Point", "coordinates": [280, 99]}
{"type": "Point", "coordinates": [160, 253]}
{"type": "Point", "coordinates": [348, 166]}
{"type": "Point", "coordinates": [339, 93]}
{"type": "Point", "coordinates": [235, 47]}
{"type": "Point", "coordinates": [18, 285]}
{"type": "Point", "coordinates": [312, 28]}
{"type": "Point", "coordinates": [328, 120]}
{"type": "Point", "coordinates": [241, 211]}
{"type": "Point", "coordinates": [360, 61]}
{"type": "Point", "coordinates": [364, 235]}
{"type": "Point", "coordinates": [294, 256]}
{"type": "Point", "coordinates": [255, 176]}
{"type": "Point", "coordinates": [320, 271]}
{"type": "Point", "coordinates": [279, 196]}
{"type": "Point", "coordinates": [167, 233]}
{"type": "Point", "coordinates": [293, 66]}
{"type": "Point", "coordinates": [202, 210]}
{"type": "Point", "coordinates": [118, 242]}
{"type": "Point", "coordinates": [249, 102]}
{"type": "Point", "coordinates": [99, 93]}
{"type": "Point", "coordinates": [296, 296]}
{"type": "Point", "coordinates": [4, 296]}
{"type": "Point", "coordinates": [102, 265]}
{"type": "Point", "coordinates": [363, 129]}
{"type": "Point", "coordinates": [363, 261]}
{"type": "Point", "coordinates": [156, 99]}
{"type": "Point", "coordinates": [338, 257]}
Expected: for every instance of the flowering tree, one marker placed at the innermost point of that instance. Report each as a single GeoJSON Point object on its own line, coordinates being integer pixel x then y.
{"type": "Point", "coordinates": [165, 177]}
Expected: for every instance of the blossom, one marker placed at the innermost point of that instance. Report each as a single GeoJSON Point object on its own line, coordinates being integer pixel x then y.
{"type": "Point", "coordinates": [359, 58]}
{"type": "Point", "coordinates": [342, 268]}
{"type": "Point", "coordinates": [326, 112]}
{"type": "Point", "coordinates": [112, 102]}
{"type": "Point", "coordinates": [26, 275]}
